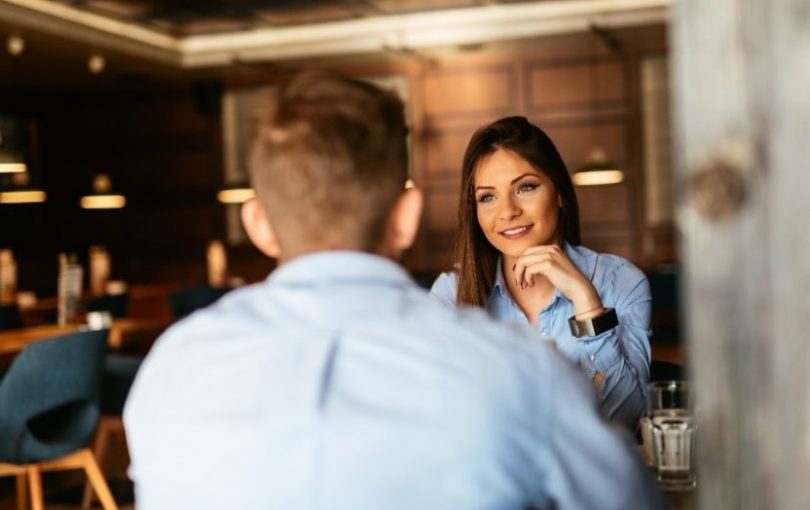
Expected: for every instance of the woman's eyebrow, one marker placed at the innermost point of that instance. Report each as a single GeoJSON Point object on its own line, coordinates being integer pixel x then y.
{"type": "Point", "coordinates": [516, 179]}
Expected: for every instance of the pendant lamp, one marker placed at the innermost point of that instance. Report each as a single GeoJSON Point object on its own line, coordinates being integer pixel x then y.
{"type": "Point", "coordinates": [102, 196]}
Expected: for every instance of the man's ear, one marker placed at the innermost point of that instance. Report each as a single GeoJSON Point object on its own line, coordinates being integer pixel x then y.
{"type": "Point", "coordinates": [404, 221]}
{"type": "Point", "coordinates": [258, 228]}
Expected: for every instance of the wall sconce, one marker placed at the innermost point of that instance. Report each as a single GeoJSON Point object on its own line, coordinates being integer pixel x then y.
{"type": "Point", "coordinates": [102, 196]}
{"type": "Point", "coordinates": [19, 191]}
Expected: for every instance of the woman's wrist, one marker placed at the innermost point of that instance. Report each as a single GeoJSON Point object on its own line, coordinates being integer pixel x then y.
{"type": "Point", "coordinates": [590, 313]}
{"type": "Point", "coordinates": [588, 305]}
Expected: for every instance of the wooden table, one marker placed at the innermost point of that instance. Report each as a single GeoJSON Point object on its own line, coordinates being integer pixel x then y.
{"type": "Point", "coordinates": [122, 332]}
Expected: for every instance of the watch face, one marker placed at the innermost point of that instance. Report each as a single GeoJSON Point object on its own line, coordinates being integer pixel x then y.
{"type": "Point", "coordinates": [595, 325]}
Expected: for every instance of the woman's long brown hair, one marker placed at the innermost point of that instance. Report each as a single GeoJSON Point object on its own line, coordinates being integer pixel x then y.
{"type": "Point", "coordinates": [476, 257]}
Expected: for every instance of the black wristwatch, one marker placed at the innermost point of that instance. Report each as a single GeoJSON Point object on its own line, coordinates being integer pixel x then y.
{"type": "Point", "coordinates": [594, 325]}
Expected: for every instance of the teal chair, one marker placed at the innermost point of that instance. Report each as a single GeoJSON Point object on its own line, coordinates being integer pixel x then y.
{"type": "Point", "coordinates": [186, 301]}
{"type": "Point", "coordinates": [49, 410]}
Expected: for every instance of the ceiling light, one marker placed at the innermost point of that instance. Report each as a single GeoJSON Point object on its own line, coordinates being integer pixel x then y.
{"type": "Point", "coordinates": [102, 196]}
{"type": "Point", "coordinates": [11, 161]}
{"type": "Point", "coordinates": [18, 190]}
{"type": "Point", "coordinates": [31, 196]}
{"type": "Point", "coordinates": [15, 45]}
{"type": "Point", "coordinates": [96, 63]}
{"type": "Point", "coordinates": [235, 195]}
{"type": "Point", "coordinates": [11, 167]}
{"type": "Point", "coordinates": [597, 170]}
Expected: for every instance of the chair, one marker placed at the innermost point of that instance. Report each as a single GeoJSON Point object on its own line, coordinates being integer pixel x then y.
{"type": "Point", "coordinates": [185, 301]}
{"type": "Point", "coordinates": [116, 304]}
{"type": "Point", "coordinates": [10, 317]}
{"type": "Point", "coordinates": [49, 409]}
{"type": "Point", "coordinates": [118, 375]}
{"type": "Point", "coordinates": [117, 378]}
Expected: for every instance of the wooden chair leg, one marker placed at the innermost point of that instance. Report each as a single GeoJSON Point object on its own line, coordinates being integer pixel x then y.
{"type": "Point", "coordinates": [35, 483]}
{"type": "Point", "coordinates": [22, 492]}
{"type": "Point", "coordinates": [97, 481]}
{"type": "Point", "coordinates": [106, 426]}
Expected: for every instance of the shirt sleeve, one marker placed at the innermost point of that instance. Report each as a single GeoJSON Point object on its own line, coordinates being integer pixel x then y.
{"type": "Point", "coordinates": [622, 355]}
{"type": "Point", "coordinates": [587, 463]}
{"type": "Point", "coordinates": [444, 289]}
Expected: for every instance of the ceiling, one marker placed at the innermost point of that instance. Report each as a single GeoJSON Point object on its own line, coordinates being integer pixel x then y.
{"type": "Point", "coordinates": [183, 18]}
{"type": "Point", "coordinates": [177, 38]}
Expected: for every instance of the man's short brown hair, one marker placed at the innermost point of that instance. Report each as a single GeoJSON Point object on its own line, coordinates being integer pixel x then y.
{"type": "Point", "coordinates": [329, 162]}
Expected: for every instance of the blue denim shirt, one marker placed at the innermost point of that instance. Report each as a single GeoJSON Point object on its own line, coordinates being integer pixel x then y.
{"type": "Point", "coordinates": [337, 384]}
{"type": "Point", "coordinates": [621, 355]}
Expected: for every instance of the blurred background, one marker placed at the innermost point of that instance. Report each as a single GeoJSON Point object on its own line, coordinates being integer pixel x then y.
{"type": "Point", "coordinates": [147, 100]}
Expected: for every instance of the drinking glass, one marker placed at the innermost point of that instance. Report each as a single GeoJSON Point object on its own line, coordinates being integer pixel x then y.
{"type": "Point", "coordinates": [668, 434]}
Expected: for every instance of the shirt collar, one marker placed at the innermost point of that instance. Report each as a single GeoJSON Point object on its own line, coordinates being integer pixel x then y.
{"type": "Point", "coordinates": [338, 265]}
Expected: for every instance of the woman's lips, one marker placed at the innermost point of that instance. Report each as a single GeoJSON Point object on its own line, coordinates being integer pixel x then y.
{"type": "Point", "coordinates": [516, 232]}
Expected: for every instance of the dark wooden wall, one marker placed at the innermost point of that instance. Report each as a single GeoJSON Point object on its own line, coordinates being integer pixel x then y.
{"type": "Point", "coordinates": [163, 150]}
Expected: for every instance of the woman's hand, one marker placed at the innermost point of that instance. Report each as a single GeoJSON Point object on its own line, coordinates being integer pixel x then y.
{"type": "Point", "coordinates": [551, 262]}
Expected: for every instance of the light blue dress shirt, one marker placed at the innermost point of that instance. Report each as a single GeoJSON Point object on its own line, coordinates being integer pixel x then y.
{"type": "Point", "coordinates": [338, 384]}
{"type": "Point", "coordinates": [621, 355]}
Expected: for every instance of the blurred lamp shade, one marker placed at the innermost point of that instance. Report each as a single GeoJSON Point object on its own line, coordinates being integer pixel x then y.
{"type": "Point", "coordinates": [12, 141]}
{"type": "Point", "coordinates": [598, 170]}
{"type": "Point", "coordinates": [102, 196]}
{"type": "Point", "coordinates": [16, 189]}
{"type": "Point", "coordinates": [236, 194]}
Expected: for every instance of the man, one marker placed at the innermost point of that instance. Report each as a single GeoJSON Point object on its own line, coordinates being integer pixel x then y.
{"type": "Point", "coordinates": [337, 383]}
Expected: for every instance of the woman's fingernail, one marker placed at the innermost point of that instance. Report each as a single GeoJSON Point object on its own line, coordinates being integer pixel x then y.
{"type": "Point", "coordinates": [514, 266]}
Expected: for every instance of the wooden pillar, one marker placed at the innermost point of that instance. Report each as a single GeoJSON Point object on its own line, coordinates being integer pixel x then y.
{"type": "Point", "coordinates": [742, 118]}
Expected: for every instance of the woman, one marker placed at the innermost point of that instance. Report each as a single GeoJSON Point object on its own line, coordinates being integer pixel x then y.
{"type": "Point", "coordinates": [519, 255]}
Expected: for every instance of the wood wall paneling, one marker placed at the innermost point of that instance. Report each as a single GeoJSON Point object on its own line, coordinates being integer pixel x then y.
{"type": "Point", "coordinates": [575, 84]}
{"type": "Point", "coordinates": [574, 139]}
{"type": "Point", "coordinates": [470, 91]}
{"type": "Point", "coordinates": [442, 208]}
{"type": "Point", "coordinates": [606, 240]}
{"type": "Point", "coordinates": [444, 151]}
{"type": "Point", "coordinates": [604, 205]}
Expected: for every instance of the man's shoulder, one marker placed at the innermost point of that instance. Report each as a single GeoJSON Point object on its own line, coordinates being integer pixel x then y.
{"type": "Point", "coordinates": [472, 329]}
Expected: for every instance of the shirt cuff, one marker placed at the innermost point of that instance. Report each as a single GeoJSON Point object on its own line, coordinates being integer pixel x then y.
{"type": "Point", "coordinates": [600, 353]}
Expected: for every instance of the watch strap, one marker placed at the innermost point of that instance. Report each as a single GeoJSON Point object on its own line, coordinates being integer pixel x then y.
{"type": "Point", "coordinates": [595, 325]}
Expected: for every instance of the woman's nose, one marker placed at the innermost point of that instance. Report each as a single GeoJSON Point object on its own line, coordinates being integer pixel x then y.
{"type": "Point", "coordinates": [509, 209]}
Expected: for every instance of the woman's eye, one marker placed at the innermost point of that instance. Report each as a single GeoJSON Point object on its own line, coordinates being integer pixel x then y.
{"type": "Point", "coordinates": [527, 186]}
{"type": "Point", "coordinates": [485, 198]}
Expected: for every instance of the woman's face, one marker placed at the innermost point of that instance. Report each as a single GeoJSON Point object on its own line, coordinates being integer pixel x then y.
{"type": "Point", "coordinates": [517, 205]}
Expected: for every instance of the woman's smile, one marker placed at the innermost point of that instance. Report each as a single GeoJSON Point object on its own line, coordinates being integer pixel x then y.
{"type": "Point", "coordinates": [516, 232]}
